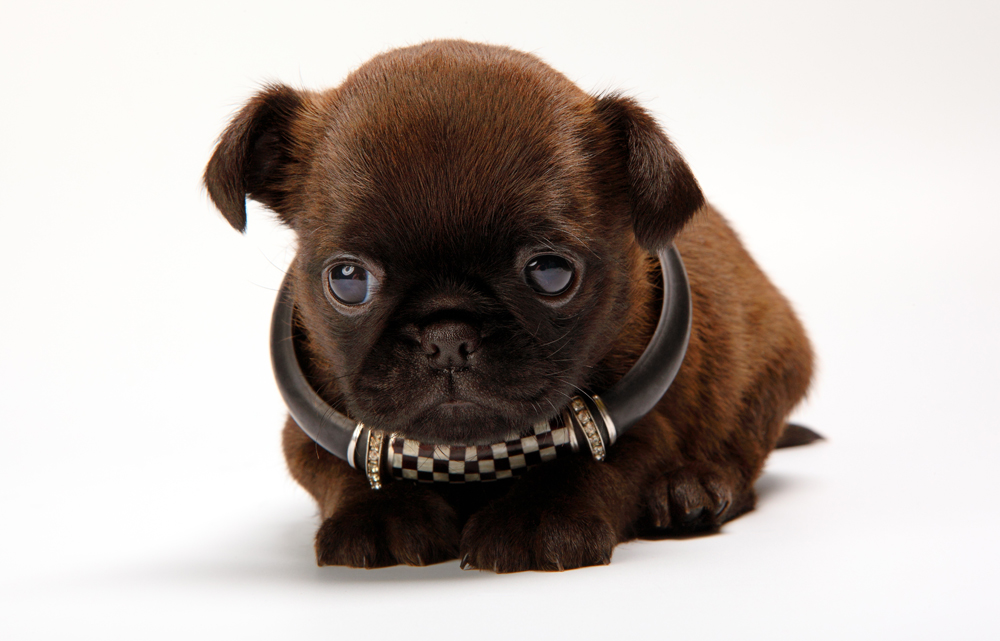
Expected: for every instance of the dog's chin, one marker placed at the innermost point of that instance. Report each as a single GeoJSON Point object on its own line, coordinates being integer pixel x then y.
{"type": "Point", "coordinates": [463, 423]}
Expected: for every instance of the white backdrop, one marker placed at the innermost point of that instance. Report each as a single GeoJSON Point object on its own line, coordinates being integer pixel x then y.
{"type": "Point", "coordinates": [852, 143]}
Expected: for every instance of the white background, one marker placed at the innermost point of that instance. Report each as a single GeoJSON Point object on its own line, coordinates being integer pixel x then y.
{"type": "Point", "coordinates": [854, 145]}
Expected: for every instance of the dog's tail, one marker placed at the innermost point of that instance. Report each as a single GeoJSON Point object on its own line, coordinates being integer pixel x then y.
{"type": "Point", "coordinates": [795, 434]}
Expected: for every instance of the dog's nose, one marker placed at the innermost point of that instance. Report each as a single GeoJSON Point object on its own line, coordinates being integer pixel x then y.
{"type": "Point", "coordinates": [449, 343]}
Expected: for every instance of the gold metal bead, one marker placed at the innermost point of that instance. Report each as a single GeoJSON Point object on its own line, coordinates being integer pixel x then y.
{"type": "Point", "coordinates": [375, 441]}
{"type": "Point", "coordinates": [586, 421]}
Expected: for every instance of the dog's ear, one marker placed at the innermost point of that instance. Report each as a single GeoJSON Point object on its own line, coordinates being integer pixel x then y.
{"type": "Point", "coordinates": [663, 193]}
{"type": "Point", "coordinates": [256, 155]}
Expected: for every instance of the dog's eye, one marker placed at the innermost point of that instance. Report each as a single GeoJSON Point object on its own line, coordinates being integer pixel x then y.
{"type": "Point", "coordinates": [549, 274]}
{"type": "Point", "coordinates": [350, 284]}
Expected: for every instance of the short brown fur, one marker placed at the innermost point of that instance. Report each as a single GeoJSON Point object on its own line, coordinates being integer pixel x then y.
{"type": "Point", "coordinates": [443, 161]}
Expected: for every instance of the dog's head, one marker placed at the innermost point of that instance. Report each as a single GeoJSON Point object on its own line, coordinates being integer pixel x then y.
{"type": "Point", "coordinates": [472, 232]}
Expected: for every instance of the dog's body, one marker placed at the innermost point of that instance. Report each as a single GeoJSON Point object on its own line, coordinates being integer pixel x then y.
{"type": "Point", "coordinates": [442, 174]}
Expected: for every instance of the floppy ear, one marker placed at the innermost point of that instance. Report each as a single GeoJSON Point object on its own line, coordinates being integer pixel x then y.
{"type": "Point", "coordinates": [256, 155]}
{"type": "Point", "coordinates": [663, 193]}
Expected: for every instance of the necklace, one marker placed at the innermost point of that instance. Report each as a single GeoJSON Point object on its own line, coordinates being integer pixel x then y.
{"type": "Point", "coordinates": [590, 421]}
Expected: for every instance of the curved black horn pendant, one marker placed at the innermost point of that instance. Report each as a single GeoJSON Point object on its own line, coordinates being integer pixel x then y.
{"type": "Point", "coordinates": [596, 421]}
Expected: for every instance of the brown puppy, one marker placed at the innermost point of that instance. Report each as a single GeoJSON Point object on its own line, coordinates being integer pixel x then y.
{"type": "Point", "coordinates": [476, 239]}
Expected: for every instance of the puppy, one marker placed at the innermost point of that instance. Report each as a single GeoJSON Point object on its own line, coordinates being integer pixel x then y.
{"type": "Point", "coordinates": [476, 243]}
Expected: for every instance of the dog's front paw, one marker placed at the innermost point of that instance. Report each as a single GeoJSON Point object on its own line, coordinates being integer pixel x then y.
{"type": "Point", "coordinates": [696, 497]}
{"type": "Point", "coordinates": [509, 536]}
{"type": "Point", "coordinates": [389, 527]}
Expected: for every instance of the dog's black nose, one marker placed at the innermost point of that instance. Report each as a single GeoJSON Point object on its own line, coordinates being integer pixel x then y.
{"type": "Point", "coordinates": [449, 343]}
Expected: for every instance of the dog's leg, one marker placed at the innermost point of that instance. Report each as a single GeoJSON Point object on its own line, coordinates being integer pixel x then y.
{"type": "Point", "coordinates": [747, 366]}
{"type": "Point", "coordinates": [710, 479]}
{"type": "Point", "coordinates": [698, 496]}
{"type": "Point", "coordinates": [568, 513]}
{"type": "Point", "coordinates": [369, 528]}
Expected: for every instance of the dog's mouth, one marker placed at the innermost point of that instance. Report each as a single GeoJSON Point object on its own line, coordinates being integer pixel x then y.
{"type": "Point", "coordinates": [454, 412]}
{"type": "Point", "coordinates": [464, 421]}
{"type": "Point", "coordinates": [457, 406]}
{"type": "Point", "coordinates": [476, 405]}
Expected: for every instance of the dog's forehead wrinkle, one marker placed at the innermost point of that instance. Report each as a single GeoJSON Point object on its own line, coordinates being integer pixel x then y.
{"type": "Point", "coordinates": [458, 193]}
{"type": "Point", "coordinates": [456, 241]}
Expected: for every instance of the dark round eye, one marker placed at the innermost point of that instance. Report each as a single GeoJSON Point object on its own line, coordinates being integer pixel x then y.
{"type": "Point", "coordinates": [350, 284]}
{"type": "Point", "coordinates": [549, 274]}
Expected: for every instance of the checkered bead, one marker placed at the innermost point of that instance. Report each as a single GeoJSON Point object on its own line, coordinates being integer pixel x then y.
{"type": "Point", "coordinates": [416, 461]}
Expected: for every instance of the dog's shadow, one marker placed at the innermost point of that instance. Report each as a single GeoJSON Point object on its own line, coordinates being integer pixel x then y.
{"type": "Point", "coordinates": [282, 551]}
{"type": "Point", "coordinates": [293, 543]}
{"type": "Point", "coordinates": [768, 486]}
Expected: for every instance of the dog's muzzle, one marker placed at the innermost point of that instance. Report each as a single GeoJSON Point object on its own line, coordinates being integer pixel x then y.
{"type": "Point", "coordinates": [590, 421]}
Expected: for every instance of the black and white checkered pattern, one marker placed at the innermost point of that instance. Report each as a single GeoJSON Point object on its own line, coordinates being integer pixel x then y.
{"type": "Point", "coordinates": [416, 461]}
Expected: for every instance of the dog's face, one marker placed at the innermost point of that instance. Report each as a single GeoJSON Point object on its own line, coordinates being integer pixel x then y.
{"type": "Point", "coordinates": [471, 232]}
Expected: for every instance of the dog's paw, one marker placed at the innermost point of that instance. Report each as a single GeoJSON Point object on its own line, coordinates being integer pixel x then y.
{"type": "Point", "coordinates": [697, 497]}
{"type": "Point", "coordinates": [387, 528]}
{"type": "Point", "coordinates": [509, 536]}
